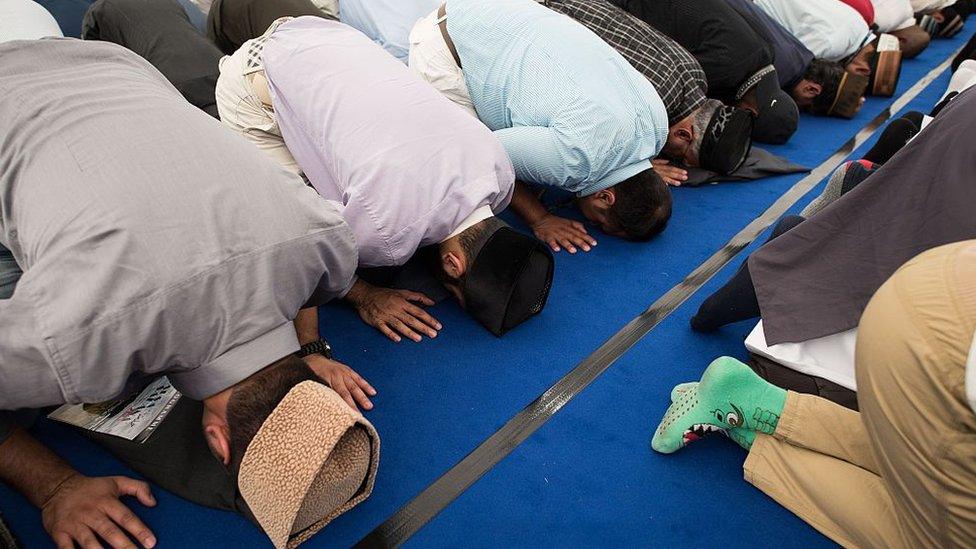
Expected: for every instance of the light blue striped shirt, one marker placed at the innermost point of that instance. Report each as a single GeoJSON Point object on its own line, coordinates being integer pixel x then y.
{"type": "Point", "coordinates": [569, 109]}
{"type": "Point", "coordinates": [387, 22]}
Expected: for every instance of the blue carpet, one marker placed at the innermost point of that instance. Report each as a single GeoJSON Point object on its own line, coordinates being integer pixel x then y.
{"type": "Point", "coordinates": [586, 477]}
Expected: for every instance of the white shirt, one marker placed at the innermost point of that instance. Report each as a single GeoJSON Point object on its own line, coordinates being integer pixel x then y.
{"type": "Point", "coordinates": [928, 6]}
{"type": "Point", "coordinates": [26, 20]}
{"type": "Point", "coordinates": [830, 357]}
{"type": "Point", "coordinates": [893, 15]}
{"type": "Point", "coordinates": [829, 28]}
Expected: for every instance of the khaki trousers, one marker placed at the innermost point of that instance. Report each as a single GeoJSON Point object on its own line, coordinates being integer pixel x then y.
{"type": "Point", "coordinates": [244, 104]}
{"type": "Point", "coordinates": [431, 59]}
{"type": "Point", "coordinates": [902, 472]}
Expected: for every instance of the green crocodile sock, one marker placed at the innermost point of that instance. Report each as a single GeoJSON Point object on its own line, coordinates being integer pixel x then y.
{"type": "Point", "coordinates": [729, 395]}
{"type": "Point", "coordinates": [681, 389]}
{"type": "Point", "coordinates": [742, 436]}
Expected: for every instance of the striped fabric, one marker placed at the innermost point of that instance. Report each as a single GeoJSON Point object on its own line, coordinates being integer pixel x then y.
{"type": "Point", "coordinates": [674, 72]}
{"type": "Point", "coordinates": [569, 110]}
{"type": "Point", "coordinates": [255, 48]}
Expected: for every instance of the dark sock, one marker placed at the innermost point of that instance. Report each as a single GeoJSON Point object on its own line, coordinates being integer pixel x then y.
{"type": "Point", "coordinates": [965, 53]}
{"type": "Point", "coordinates": [914, 117]}
{"type": "Point", "coordinates": [736, 300]}
{"type": "Point", "coordinates": [964, 7]}
{"type": "Point", "coordinates": [942, 104]}
{"type": "Point", "coordinates": [892, 139]}
{"type": "Point", "coordinates": [859, 171]}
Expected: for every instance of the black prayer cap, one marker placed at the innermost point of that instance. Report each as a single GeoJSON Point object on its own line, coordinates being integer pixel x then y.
{"type": "Point", "coordinates": [727, 140]}
{"type": "Point", "coordinates": [778, 114]}
{"type": "Point", "coordinates": [509, 280]}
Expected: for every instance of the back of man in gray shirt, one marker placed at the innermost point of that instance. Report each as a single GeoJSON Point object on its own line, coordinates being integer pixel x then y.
{"type": "Point", "coordinates": [152, 241]}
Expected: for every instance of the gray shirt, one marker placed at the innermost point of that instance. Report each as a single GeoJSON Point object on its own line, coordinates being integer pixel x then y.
{"type": "Point", "coordinates": [152, 239]}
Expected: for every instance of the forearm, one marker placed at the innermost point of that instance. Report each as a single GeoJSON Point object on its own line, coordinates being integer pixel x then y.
{"type": "Point", "coordinates": [31, 468]}
{"type": "Point", "coordinates": [307, 325]}
{"type": "Point", "coordinates": [359, 292]}
{"type": "Point", "coordinates": [526, 205]}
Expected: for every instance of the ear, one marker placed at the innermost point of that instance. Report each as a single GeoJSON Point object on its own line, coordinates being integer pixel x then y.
{"type": "Point", "coordinates": [607, 196]}
{"type": "Point", "coordinates": [218, 439]}
{"type": "Point", "coordinates": [453, 263]}
{"type": "Point", "coordinates": [811, 89]}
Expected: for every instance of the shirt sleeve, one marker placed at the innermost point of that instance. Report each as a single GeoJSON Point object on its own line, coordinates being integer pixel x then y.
{"type": "Point", "coordinates": [27, 379]}
{"type": "Point", "coordinates": [539, 155]}
{"type": "Point", "coordinates": [340, 256]}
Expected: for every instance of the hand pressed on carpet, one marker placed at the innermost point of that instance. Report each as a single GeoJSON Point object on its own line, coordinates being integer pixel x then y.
{"type": "Point", "coordinates": [671, 174]}
{"type": "Point", "coordinates": [84, 510]}
{"type": "Point", "coordinates": [558, 231]}
{"type": "Point", "coordinates": [394, 312]}
{"type": "Point", "coordinates": [343, 380]}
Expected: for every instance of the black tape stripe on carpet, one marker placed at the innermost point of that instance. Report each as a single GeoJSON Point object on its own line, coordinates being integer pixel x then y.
{"type": "Point", "coordinates": [425, 506]}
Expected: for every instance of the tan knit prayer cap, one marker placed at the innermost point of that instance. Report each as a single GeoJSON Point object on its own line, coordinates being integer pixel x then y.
{"type": "Point", "coordinates": [313, 459]}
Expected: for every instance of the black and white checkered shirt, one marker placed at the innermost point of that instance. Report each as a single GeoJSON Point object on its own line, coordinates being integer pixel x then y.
{"type": "Point", "coordinates": [255, 47]}
{"type": "Point", "coordinates": [674, 72]}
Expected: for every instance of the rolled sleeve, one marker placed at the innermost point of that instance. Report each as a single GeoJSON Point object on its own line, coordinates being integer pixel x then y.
{"type": "Point", "coordinates": [237, 364]}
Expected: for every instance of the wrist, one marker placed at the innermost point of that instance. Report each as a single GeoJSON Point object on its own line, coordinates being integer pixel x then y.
{"type": "Point", "coordinates": [357, 293]}
{"type": "Point", "coordinates": [54, 487]}
{"type": "Point", "coordinates": [317, 347]}
{"type": "Point", "coordinates": [536, 220]}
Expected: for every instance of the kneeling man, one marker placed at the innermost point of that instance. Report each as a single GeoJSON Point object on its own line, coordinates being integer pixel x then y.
{"type": "Point", "coordinates": [406, 169]}
{"type": "Point", "coordinates": [679, 80]}
{"type": "Point", "coordinates": [138, 239]}
{"type": "Point", "coordinates": [570, 111]}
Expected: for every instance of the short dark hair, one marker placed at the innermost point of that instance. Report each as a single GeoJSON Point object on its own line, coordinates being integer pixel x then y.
{"type": "Point", "coordinates": [253, 400]}
{"type": "Point", "coordinates": [828, 75]}
{"type": "Point", "coordinates": [471, 240]}
{"type": "Point", "coordinates": [642, 205]}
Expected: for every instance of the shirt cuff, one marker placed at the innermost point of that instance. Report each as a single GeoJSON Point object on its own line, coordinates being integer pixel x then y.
{"type": "Point", "coordinates": [614, 177]}
{"type": "Point", "coordinates": [237, 364]}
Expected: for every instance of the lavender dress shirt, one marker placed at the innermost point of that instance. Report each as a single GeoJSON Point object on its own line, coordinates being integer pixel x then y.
{"type": "Point", "coordinates": [404, 165]}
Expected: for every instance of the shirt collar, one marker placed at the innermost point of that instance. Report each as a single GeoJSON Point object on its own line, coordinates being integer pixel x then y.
{"type": "Point", "coordinates": [477, 216]}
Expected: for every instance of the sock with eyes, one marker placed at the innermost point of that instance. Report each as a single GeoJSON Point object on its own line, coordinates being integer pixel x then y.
{"type": "Point", "coordinates": [729, 396]}
{"type": "Point", "coordinates": [736, 300]}
{"type": "Point", "coordinates": [740, 435]}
